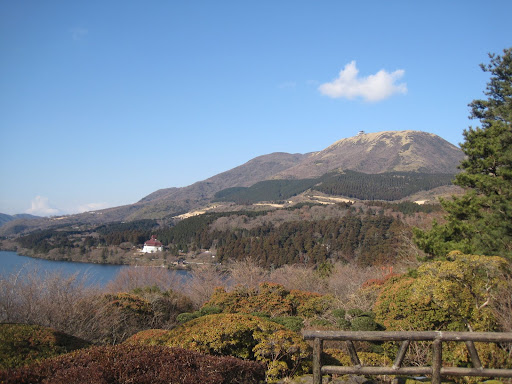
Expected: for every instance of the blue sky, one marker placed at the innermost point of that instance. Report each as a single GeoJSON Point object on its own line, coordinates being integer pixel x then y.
{"type": "Point", "coordinates": [104, 102]}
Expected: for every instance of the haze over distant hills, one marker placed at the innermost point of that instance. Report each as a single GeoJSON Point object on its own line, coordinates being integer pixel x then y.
{"type": "Point", "coordinates": [371, 153]}
{"type": "Point", "coordinates": [4, 218]}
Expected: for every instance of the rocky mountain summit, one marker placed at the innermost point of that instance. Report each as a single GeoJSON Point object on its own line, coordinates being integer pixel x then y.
{"type": "Point", "coordinates": [410, 151]}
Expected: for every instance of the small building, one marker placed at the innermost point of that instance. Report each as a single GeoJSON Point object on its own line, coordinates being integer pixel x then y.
{"type": "Point", "coordinates": [152, 245]}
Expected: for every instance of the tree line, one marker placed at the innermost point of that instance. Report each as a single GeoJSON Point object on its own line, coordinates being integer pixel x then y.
{"type": "Point", "coordinates": [358, 185]}
{"type": "Point", "coordinates": [367, 240]}
{"type": "Point", "coordinates": [383, 186]}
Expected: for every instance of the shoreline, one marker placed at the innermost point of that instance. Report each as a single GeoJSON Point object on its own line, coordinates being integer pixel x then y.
{"type": "Point", "coordinates": [109, 255]}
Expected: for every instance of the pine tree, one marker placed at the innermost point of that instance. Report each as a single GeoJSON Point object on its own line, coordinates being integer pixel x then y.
{"type": "Point", "coordinates": [480, 221]}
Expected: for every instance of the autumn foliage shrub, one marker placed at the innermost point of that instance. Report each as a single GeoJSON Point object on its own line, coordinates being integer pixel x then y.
{"type": "Point", "coordinates": [123, 364]}
{"type": "Point", "coordinates": [249, 337]}
{"type": "Point", "coordinates": [22, 344]}
{"type": "Point", "coordinates": [270, 298]}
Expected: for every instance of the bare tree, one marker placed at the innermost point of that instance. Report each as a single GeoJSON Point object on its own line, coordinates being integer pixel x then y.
{"type": "Point", "coordinates": [299, 277]}
{"type": "Point", "coordinates": [130, 278]}
{"type": "Point", "coordinates": [502, 302]}
{"type": "Point", "coordinates": [247, 273]}
{"type": "Point", "coordinates": [63, 302]}
{"type": "Point", "coordinates": [66, 303]}
{"type": "Point", "coordinates": [346, 281]}
{"type": "Point", "coordinates": [202, 282]}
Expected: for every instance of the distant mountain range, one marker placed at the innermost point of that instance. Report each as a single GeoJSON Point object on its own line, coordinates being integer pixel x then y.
{"type": "Point", "coordinates": [4, 218]}
{"type": "Point", "coordinates": [366, 153]}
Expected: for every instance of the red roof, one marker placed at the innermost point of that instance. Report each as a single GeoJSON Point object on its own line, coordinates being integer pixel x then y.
{"type": "Point", "coordinates": [153, 242]}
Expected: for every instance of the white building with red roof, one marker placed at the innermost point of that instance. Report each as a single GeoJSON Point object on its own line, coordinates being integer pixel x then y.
{"type": "Point", "coordinates": [152, 245]}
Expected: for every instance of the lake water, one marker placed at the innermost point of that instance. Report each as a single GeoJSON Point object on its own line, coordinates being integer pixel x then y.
{"type": "Point", "coordinates": [95, 274]}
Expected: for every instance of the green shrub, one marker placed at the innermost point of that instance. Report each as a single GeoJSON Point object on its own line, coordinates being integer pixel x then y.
{"type": "Point", "coordinates": [22, 344]}
{"type": "Point", "coordinates": [363, 323]}
{"type": "Point", "coordinates": [187, 316]}
{"type": "Point", "coordinates": [209, 310]}
{"type": "Point", "coordinates": [343, 324]}
{"type": "Point", "coordinates": [355, 312]}
{"type": "Point", "coordinates": [260, 314]}
{"type": "Point", "coordinates": [321, 323]}
{"type": "Point", "coordinates": [314, 305]}
{"type": "Point", "coordinates": [293, 323]}
{"type": "Point", "coordinates": [149, 337]}
{"type": "Point", "coordinates": [339, 313]}
{"type": "Point", "coordinates": [446, 295]}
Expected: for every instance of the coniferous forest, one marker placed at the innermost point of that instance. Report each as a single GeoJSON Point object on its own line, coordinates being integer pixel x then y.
{"type": "Point", "coordinates": [383, 186]}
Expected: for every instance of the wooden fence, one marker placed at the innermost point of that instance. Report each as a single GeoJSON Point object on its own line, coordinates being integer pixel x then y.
{"type": "Point", "coordinates": [436, 370]}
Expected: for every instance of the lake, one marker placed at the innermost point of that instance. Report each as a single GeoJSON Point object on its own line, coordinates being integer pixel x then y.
{"type": "Point", "coordinates": [95, 274]}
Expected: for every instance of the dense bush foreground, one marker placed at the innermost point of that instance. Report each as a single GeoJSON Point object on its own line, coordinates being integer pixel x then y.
{"type": "Point", "coordinates": [22, 344]}
{"type": "Point", "coordinates": [125, 364]}
{"type": "Point", "coordinates": [260, 322]}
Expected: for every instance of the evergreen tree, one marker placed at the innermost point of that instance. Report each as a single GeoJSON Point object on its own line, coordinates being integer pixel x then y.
{"type": "Point", "coordinates": [480, 221]}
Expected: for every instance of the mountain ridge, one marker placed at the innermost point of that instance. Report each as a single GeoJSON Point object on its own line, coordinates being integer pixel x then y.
{"type": "Point", "coordinates": [387, 151]}
{"type": "Point", "coordinates": [370, 153]}
{"type": "Point", "coordinates": [5, 218]}
{"type": "Point", "coordinates": [257, 169]}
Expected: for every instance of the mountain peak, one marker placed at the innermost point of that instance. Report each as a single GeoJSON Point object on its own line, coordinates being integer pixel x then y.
{"type": "Point", "coordinates": [388, 137]}
{"type": "Point", "coordinates": [382, 152]}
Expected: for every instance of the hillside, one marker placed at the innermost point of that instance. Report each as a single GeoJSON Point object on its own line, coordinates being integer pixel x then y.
{"type": "Point", "coordinates": [169, 202]}
{"type": "Point", "coordinates": [372, 153]}
{"type": "Point", "coordinates": [398, 151]}
{"type": "Point", "coordinates": [362, 186]}
{"type": "Point", "coordinates": [4, 218]}
{"type": "Point", "coordinates": [258, 169]}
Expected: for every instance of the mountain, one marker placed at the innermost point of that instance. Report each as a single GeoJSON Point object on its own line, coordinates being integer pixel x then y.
{"type": "Point", "coordinates": [258, 169]}
{"type": "Point", "coordinates": [169, 202]}
{"type": "Point", "coordinates": [370, 153]}
{"type": "Point", "coordinates": [392, 151]}
{"type": "Point", "coordinates": [4, 218]}
{"type": "Point", "coordinates": [174, 201]}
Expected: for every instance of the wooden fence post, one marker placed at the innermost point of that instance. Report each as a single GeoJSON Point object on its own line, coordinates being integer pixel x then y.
{"type": "Point", "coordinates": [437, 361]}
{"type": "Point", "coordinates": [317, 360]}
{"type": "Point", "coordinates": [436, 370]}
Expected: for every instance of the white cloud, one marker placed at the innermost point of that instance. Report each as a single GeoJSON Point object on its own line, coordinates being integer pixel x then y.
{"type": "Point", "coordinates": [91, 207]}
{"type": "Point", "coordinates": [41, 207]}
{"type": "Point", "coordinates": [372, 88]}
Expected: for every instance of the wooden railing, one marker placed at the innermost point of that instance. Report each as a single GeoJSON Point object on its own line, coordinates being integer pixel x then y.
{"type": "Point", "coordinates": [436, 370]}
